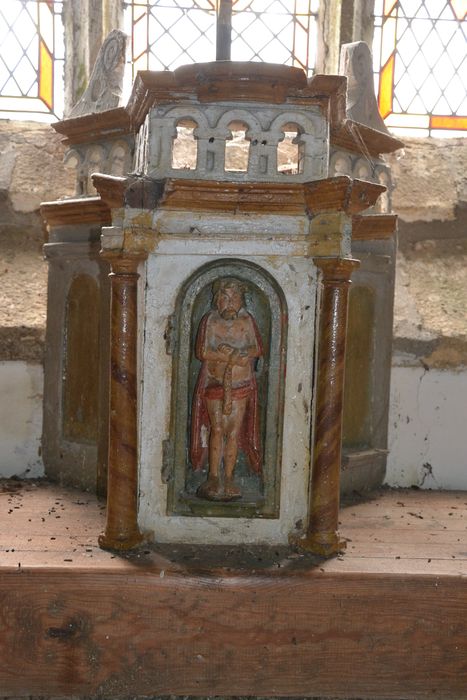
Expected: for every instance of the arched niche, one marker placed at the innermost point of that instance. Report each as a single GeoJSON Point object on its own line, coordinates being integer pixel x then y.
{"type": "Point", "coordinates": [363, 169]}
{"type": "Point", "coordinates": [340, 164]}
{"type": "Point", "coordinates": [185, 145]}
{"type": "Point", "coordinates": [383, 205]}
{"type": "Point", "coordinates": [80, 389]}
{"type": "Point", "coordinates": [357, 428]}
{"type": "Point", "coordinates": [119, 159]}
{"type": "Point", "coordinates": [265, 303]}
{"type": "Point", "coordinates": [237, 147]}
{"type": "Point", "coordinates": [95, 163]}
{"type": "Point", "coordinates": [289, 150]}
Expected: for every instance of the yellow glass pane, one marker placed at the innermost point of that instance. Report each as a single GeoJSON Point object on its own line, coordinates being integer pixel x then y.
{"type": "Point", "coordinates": [389, 6]}
{"type": "Point", "coordinates": [139, 11]}
{"type": "Point", "coordinates": [46, 24]}
{"type": "Point", "coordinates": [412, 121]}
{"type": "Point", "coordinates": [301, 44]}
{"type": "Point", "coordinates": [386, 83]}
{"type": "Point", "coordinates": [140, 63]}
{"type": "Point", "coordinates": [437, 122]}
{"type": "Point", "coordinates": [388, 39]}
{"type": "Point", "coordinates": [459, 7]}
{"type": "Point", "coordinates": [45, 75]}
{"type": "Point", "coordinates": [140, 39]}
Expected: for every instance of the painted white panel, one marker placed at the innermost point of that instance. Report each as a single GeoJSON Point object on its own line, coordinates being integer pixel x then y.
{"type": "Point", "coordinates": [428, 429]}
{"type": "Point", "coordinates": [21, 419]}
{"type": "Point", "coordinates": [165, 275]}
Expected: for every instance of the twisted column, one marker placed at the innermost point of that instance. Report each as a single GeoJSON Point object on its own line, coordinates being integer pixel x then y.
{"type": "Point", "coordinates": [121, 529]}
{"type": "Point", "coordinates": [322, 537]}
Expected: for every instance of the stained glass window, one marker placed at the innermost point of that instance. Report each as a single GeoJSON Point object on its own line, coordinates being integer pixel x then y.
{"type": "Point", "coordinates": [281, 31]}
{"type": "Point", "coordinates": [31, 59]}
{"type": "Point", "coordinates": [169, 33]}
{"type": "Point", "coordinates": [421, 65]}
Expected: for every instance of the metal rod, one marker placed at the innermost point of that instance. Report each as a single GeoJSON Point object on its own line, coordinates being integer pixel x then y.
{"type": "Point", "coordinates": [224, 30]}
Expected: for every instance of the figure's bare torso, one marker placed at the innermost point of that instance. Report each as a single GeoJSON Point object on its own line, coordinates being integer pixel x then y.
{"type": "Point", "coordinates": [239, 334]}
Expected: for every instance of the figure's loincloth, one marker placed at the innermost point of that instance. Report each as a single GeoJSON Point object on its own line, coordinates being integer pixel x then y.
{"type": "Point", "coordinates": [241, 391]}
{"type": "Point", "coordinates": [249, 439]}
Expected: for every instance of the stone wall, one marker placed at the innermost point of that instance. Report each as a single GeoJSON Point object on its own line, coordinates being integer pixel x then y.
{"type": "Point", "coordinates": [31, 171]}
{"type": "Point", "coordinates": [430, 326]}
{"type": "Point", "coordinates": [429, 375]}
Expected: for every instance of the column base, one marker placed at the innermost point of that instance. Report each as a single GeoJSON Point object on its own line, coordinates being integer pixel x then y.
{"type": "Point", "coordinates": [121, 543]}
{"type": "Point", "coordinates": [322, 544]}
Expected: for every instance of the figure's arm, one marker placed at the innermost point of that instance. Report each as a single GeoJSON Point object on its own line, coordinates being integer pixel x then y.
{"type": "Point", "coordinates": [216, 355]}
{"type": "Point", "coordinates": [202, 350]}
{"type": "Point", "coordinates": [255, 349]}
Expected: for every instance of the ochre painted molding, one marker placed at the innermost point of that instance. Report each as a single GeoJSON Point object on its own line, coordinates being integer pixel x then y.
{"type": "Point", "coordinates": [95, 127]}
{"type": "Point", "coordinates": [341, 193]}
{"type": "Point", "coordinates": [83, 210]}
{"type": "Point", "coordinates": [374, 227]}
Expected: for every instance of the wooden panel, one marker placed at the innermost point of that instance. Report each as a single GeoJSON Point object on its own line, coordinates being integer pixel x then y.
{"type": "Point", "coordinates": [94, 127]}
{"type": "Point", "coordinates": [81, 372]}
{"type": "Point", "coordinates": [151, 634]}
{"type": "Point", "coordinates": [368, 624]}
{"type": "Point", "coordinates": [86, 210]}
{"type": "Point", "coordinates": [358, 368]}
{"type": "Point", "coordinates": [374, 227]}
{"type": "Point", "coordinates": [341, 193]}
{"type": "Point", "coordinates": [273, 197]}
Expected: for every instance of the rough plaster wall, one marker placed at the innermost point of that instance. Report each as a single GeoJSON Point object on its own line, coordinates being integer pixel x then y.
{"type": "Point", "coordinates": [429, 376]}
{"type": "Point", "coordinates": [21, 419]}
{"type": "Point", "coordinates": [430, 324]}
{"type": "Point", "coordinates": [430, 178]}
{"type": "Point", "coordinates": [427, 429]}
{"type": "Point", "coordinates": [31, 171]}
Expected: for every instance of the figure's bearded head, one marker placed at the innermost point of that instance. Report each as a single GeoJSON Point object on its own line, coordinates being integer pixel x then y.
{"type": "Point", "coordinates": [228, 296]}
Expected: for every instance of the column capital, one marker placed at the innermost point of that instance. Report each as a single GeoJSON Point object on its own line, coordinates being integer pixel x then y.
{"type": "Point", "coordinates": [336, 269]}
{"type": "Point", "coordinates": [123, 263]}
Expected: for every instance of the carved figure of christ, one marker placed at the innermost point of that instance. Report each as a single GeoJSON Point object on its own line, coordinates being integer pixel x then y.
{"type": "Point", "coordinates": [228, 343]}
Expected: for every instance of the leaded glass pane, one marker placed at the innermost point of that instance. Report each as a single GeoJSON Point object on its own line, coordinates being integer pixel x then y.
{"type": "Point", "coordinates": [278, 31]}
{"type": "Point", "coordinates": [168, 33]}
{"type": "Point", "coordinates": [420, 61]}
{"type": "Point", "coordinates": [31, 59]}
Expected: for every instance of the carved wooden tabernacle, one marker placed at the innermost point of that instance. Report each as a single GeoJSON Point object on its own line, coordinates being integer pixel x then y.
{"type": "Point", "coordinates": [230, 248]}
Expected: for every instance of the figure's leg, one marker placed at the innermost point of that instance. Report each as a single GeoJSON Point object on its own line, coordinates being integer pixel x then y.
{"type": "Point", "coordinates": [233, 425]}
{"type": "Point", "coordinates": [211, 487]}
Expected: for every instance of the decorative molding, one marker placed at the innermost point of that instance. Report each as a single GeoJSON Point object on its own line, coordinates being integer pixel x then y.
{"type": "Point", "coordinates": [356, 64]}
{"type": "Point", "coordinates": [111, 189]}
{"type": "Point", "coordinates": [341, 193]}
{"type": "Point", "coordinates": [358, 138]}
{"type": "Point", "coordinates": [236, 81]}
{"type": "Point", "coordinates": [374, 227]}
{"type": "Point", "coordinates": [85, 210]}
{"type": "Point", "coordinates": [104, 89]}
{"type": "Point", "coordinates": [232, 197]}
{"type": "Point", "coordinates": [94, 127]}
